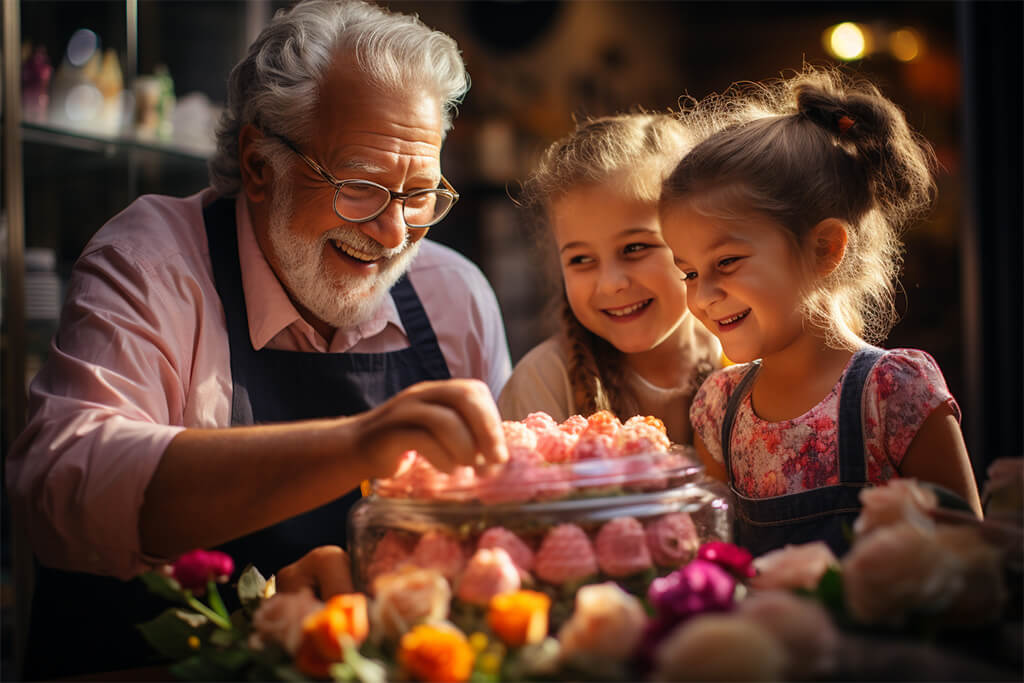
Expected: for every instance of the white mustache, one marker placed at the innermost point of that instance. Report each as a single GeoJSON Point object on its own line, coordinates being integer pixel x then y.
{"type": "Point", "coordinates": [362, 243]}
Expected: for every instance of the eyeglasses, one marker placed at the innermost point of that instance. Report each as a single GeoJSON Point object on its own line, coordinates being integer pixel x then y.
{"type": "Point", "coordinates": [360, 201]}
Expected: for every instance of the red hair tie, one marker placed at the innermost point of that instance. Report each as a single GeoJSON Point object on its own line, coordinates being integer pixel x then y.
{"type": "Point", "coordinates": [845, 123]}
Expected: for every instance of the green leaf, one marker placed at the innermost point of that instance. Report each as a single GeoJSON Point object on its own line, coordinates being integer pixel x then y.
{"type": "Point", "coordinates": [169, 632]}
{"type": "Point", "coordinates": [197, 668]}
{"type": "Point", "coordinates": [229, 660]}
{"type": "Point", "coordinates": [251, 586]}
{"type": "Point", "coordinates": [830, 590]}
{"type": "Point", "coordinates": [162, 585]}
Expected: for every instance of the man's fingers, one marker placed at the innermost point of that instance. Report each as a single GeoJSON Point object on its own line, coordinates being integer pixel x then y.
{"type": "Point", "coordinates": [325, 569]}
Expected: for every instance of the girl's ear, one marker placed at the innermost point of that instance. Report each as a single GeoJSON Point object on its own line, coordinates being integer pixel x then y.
{"type": "Point", "coordinates": [827, 242]}
{"type": "Point", "coordinates": [255, 170]}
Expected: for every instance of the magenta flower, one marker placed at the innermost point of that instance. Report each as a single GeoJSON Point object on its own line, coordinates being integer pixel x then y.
{"type": "Point", "coordinates": [735, 559]}
{"type": "Point", "coordinates": [195, 568]}
{"type": "Point", "coordinates": [700, 586]}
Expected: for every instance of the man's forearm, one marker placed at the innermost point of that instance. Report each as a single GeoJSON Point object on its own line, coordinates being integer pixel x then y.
{"type": "Point", "coordinates": [213, 485]}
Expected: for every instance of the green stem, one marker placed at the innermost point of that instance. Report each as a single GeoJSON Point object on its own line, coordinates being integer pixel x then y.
{"type": "Point", "coordinates": [207, 612]}
{"type": "Point", "coordinates": [215, 601]}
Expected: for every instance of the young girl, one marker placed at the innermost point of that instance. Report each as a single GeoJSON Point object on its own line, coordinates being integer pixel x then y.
{"type": "Point", "coordinates": [628, 343]}
{"type": "Point", "coordinates": [787, 230]}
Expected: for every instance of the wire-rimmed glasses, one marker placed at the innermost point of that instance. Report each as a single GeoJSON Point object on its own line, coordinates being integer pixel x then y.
{"type": "Point", "coordinates": [360, 201]}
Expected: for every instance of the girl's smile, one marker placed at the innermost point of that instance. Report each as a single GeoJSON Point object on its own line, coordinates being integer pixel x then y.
{"type": "Point", "coordinates": [619, 276]}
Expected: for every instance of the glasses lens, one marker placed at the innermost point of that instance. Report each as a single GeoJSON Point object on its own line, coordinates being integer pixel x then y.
{"type": "Point", "coordinates": [425, 208]}
{"type": "Point", "coordinates": [358, 200]}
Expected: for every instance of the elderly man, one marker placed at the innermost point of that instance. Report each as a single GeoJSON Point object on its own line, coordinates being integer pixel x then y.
{"type": "Point", "coordinates": [295, 301]}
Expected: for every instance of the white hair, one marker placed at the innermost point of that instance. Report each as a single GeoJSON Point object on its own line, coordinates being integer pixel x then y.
{"type": "Point", "coordinates": [277, 86]}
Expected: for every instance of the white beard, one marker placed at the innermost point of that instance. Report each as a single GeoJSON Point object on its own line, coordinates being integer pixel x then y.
{"type": "Point", "coordinates": [340, 301]}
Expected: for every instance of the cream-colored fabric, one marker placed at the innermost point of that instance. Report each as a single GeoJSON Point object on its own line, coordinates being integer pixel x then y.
{"type": "Point", "coordinates": [540, 382]}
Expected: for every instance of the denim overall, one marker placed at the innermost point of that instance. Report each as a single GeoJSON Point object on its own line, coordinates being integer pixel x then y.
{"type": "Point", "coordinates": [83, 622]}
{"type": "Point", "coordinates": [822, 514]}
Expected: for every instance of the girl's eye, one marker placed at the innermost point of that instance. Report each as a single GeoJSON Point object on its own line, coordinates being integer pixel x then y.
{"type": "Point", "coordinates": [726, 262]}
{"type": "Point", "coordinates": [635, 247]}
{"type": "Point", "coordinates": [579, 260]}
{"type": "Point", "coordinates": [689, 275]}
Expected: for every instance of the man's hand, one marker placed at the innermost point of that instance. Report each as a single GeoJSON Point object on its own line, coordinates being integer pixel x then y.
{"type": "Point", "coordinates": [451, 423]}
{"type": "Point", "coordinates": [325, 570]}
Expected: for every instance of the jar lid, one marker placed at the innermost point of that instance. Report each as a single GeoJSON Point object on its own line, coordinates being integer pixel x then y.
{"type": "Point", "coordinates": [580, 457]}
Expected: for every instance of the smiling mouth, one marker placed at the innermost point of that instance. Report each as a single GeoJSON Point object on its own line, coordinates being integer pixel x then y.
{"type": "Point", "coordinates": [733, 319]}
{"type": "Point", "coordinates": [628, 310]}
{"type": "Point", "coordinates": [354, 253]}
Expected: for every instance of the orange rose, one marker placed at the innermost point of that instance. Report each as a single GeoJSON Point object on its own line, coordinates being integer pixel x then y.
{"type": "Point", "coordinates": [436, 652]}
{"type": "Point", "coordinates": [520, 617]}
{"type": "Point", "coordinates": [344, 616]}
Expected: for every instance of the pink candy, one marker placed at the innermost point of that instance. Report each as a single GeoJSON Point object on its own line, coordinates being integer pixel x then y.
{"type": "Point", "coordinates": [672, 539]}
{"type": "Point", "coordinates": [440, 551]}
{"type": "Point", "coordinates": [489, 573]}
{"type": "Point", "coordinates": [500, 537]}
{"type": "Point", "coordinates": [565, 555]}
{"type": "Point", "coordinates": [622, 547]}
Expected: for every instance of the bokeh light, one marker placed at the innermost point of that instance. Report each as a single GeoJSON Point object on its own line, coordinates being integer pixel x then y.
{"type": "Point", "coordinates": [906, 44]}
{"type": "Point", "coordinates": [82, 46]}
{"type": "Point", "coordinates": [846, 41]}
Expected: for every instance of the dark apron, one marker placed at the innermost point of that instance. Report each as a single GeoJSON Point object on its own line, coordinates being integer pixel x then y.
{"type": "Point", "coordinates": [86, 623]}
{"type": "Point", "coordinates": [822, 514]}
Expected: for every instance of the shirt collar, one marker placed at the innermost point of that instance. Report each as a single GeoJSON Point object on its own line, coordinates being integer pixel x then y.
{"type": "Point", "coordinates": [270, 311]}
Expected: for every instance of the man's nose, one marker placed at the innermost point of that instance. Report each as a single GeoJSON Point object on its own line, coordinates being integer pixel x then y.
{"type": "Point", "coordinates": [387, 229]}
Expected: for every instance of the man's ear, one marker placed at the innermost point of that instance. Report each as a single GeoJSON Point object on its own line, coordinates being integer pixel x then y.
{"type": "Point", "coordinates": [253, 165]}
{"type": "Point", "coordinates": [827, 244]}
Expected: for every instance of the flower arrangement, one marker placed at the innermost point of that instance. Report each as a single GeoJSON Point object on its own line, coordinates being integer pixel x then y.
{"type": "Point", "coordinates": [790, 612]}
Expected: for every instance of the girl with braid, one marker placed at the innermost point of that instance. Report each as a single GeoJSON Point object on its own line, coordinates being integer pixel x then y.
{"type": "Point", "coordinates": [787, 228]}
{"type": "Point", "coordinates": [627, 342]}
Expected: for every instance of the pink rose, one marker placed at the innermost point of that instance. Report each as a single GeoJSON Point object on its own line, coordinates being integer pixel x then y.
{"type": "Point", "coordinates": [728, 556]}
{"type": "Point", "coordinates": [392, 551]}
{"type": "Point", "coordinates": [897, 501]}
{"type": "Point", "coordinates": [195, 568]}
{"type": "Point", "coordinates": [621, 547]}
{"type": "Point", "coordinates": [672, 539]}
{"type": "Point", "coordinates": [500, 537]}
{"type": "Point", "coordinates": [895, 570]}
{"type": "Point", "coordinates": [607, 623]}
{"type": "Point", "coordinates": [565, 555]}
{"type": "Point", "coordinates": [982, 591]}
{"type": "Point", "coordinates": [279, 619]}
{"type": "Point", "coordinates": [719, 647]}
{"type": "Point", "coordinates": [803, 627]}
{"type": "Point", "coordinates": [441, 551]}
{"type": "Point", "coordinates": [793, 566]}
{"type": "Point", "coordinates": [408, 597]}
{"type": "Point", "coordinates": [489, 573]}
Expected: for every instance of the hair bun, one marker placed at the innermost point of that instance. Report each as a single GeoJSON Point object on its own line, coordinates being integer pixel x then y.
{"type": "Point", "coordinates": [824, 109]}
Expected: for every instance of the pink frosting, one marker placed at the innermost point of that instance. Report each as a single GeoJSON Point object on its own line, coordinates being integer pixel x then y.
{"type": "Point", "coordinates": [672, 539]}
{"type": "Point", "coordinates": [565, 555]}
{"type": "Point", "coordinates": [622, 547]}
{"type": "Point", "coordinates": [440, 551]}
{"type": "Point", "coordinates": [500, 537]}
{"type": "Point", "coordinates": [489, 573]}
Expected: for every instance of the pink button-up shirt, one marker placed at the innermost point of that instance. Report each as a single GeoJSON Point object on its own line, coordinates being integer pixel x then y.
{"type": "Point", "coordinates": [142, 353]}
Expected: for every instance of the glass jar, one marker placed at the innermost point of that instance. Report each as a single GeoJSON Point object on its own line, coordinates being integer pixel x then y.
{"type": "Point", "coordinates": [627, 519]}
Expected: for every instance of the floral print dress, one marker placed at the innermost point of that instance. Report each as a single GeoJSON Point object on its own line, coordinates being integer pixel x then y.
{"type": "Point", "coordinates": [778, 458]}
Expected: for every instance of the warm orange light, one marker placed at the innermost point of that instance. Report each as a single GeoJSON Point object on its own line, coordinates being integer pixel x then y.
{"type": "Point", "coordinates": [906, 44]}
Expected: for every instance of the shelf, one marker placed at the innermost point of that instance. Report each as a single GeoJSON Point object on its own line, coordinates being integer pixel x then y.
{"type": "Point", "coordinates": [106, 143]}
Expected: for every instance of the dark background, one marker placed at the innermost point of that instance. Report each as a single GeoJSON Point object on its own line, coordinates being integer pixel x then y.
{"type": "Point", "coordinates": [536, 65]}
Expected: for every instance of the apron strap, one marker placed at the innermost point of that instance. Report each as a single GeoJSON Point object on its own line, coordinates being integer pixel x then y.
{"type": "Point", "coordinates": [418, 329]}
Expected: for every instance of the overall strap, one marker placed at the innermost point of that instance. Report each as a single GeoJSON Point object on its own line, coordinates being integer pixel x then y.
{"type": "Point", "coordinates": [418, 329]}
{"type": "Point", "coordinates": [852, 458]}
{"type": "Point", "coordinates": [737, 396]}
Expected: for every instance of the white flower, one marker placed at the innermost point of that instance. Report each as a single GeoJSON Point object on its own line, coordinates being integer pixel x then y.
{"type": "Point", "coordinates": [607, 623]}
{"type": "Point", "coordinates": [793, 566]}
